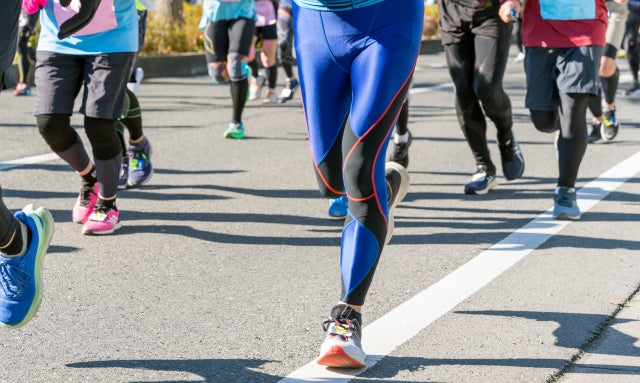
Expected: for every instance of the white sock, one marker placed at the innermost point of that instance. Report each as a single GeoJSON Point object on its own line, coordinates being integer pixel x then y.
{"type": "Point", "coordinates": [401, 139]}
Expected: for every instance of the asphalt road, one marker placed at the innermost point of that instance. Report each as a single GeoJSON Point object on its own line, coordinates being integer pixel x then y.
{"type": "Point", "coordinates": [227, 263]}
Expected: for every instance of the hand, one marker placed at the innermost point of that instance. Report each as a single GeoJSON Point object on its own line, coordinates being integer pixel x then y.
{"type": "Point", "coordinates": [621, 1]}
{"type": "Point", "coordinates": [80, 20]}
{"type": "Point", "coordinates": [509, 11]}
{"type": "Point", "coordinates": [33, 6]}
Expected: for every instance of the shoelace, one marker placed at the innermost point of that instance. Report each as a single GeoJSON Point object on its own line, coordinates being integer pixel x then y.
{"type": "Point", "coordinates": [86, 191]}
{"type": "Point", "coordinates": [508, 150]}
{"type": "Point", "coordinates": [101, 210]}
{"type": "Point", "coordinates": [138, 160]}
{"type": "Point", "coordinates": [345, 325]}
{"type": "Point", "coordinates": [12, 273]}
{"type": "Point", "coordinates": [565, 199]}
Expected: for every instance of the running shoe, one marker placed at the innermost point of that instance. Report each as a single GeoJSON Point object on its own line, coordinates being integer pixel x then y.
{"type": "Point", "coordinates": [610, 124]}
{"type": "Point", "coordinates": [595, 134]}
{"type": "Point", "coordinates": [255, 87]}
{"type": "Point", "coordinates": [482, 181]}
{"type": "Point", "coordinates": [397, 179]}
{"type": "Point", "coordinates": [124, 172]}
{"type": "Point", "coordinates": [140, 168]}
{"type": "Point", "coordinates": [85, 203]}
{"type": "Point", "coordinates": [289, 91]}
{"type": "Point", "coordinates": [512, 160]}
{"type": "Point", "coordinates": [235, 130]}
{"type": "Point", "coordinates": [342, 347]}
{"type": "Point", "coordinates": [338, 207]}
{"type": "Point", "coordinates": [400, 153]}
{"type": "Point", "coordinates": [22, 89]}
{"type": "Point", "coordinates": [632, 88]}
{"type": "Point", "coordinates": [271, 97]}
{"type": "Point", "coordinates": [103, 220]}
{"type": "Point", "coordinates": [21, 277]}
{"type": "Point", "coordinates": [566, 205]}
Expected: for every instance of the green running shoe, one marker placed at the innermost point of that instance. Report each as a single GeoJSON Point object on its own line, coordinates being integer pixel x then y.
{"type": "Point", "coordinates": [235, 130]}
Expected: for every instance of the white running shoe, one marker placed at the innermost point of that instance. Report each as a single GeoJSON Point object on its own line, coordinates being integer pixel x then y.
{"type": "Point", "coordinates": [342, 347]}
{"type": "Point", "coordinates": [255, 87]}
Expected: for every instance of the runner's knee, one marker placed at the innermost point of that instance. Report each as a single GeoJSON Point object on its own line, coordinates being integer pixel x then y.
{"type": "Point", "coordinates": [217, 72]}
{"type": "Point", "coordinates": [57, 131]}
{"type": "Point", "coordinates": [236, 72]}
{"type": "Point", "coordinates": [546, 121]}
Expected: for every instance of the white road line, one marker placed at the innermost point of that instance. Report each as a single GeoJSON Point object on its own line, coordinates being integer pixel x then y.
{"type": "Point", "coordinates": [431, 88]}
{"type": "Point", "coordinates": [28, 161]}
{"type": "Point", "coordinates": [420, 311]}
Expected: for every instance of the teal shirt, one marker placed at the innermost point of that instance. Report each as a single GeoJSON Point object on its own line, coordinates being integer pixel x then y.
{"type": "Point", "coordinates": [335, 5]}
{"type": "Point", "coordinates": [122, 38]}
{"type": "Point", "coordinates": [215, 10]}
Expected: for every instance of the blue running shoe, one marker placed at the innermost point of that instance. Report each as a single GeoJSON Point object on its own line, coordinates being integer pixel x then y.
{"type": "Point", "coordinates": [140, 168]}
{"type": "Point", "coordinates": [512, 159]}
{"type": "Point", "coordinates": [595, 134]}
{"type": "Point", "coordinates": [21, 277]}
{"type": "Point", "coordinates": [482, 181]}
{"type": "Point", "coordinates": [566, 205]}
{"type": "Point", "coordinates": [338, 207]}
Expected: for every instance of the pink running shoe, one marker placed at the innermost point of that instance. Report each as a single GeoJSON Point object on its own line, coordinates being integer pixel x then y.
{"type": "Point", "coordinates": [85, 203]}
{"type": "Point", "coordinates": [102, 221]}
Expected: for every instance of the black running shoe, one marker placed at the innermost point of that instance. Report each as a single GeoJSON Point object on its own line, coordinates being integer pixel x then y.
{"type": "Point", "coordinates": [482, 181]}
{"type": "Point", "coordinates": [595, 132]}
{"type": "Point", "coordinates": [400, 153]}
{"type": "Point", "coordinates": [512, 160]}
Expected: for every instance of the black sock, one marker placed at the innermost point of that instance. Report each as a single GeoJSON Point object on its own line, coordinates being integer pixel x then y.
{"type": "Point", "coordinates": [272, 75]}
{"type": "Point", "coordinates": [239, 91]}
{"type": "Point", "coordinates": [103, 204]}
{"type": "Point", "coordinates": [90, 178]}
{"type": "Point", "coordinates": [19, 246]}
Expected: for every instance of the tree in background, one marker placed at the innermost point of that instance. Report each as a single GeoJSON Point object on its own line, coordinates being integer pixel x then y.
{"type": "Point", "coordinates": [171, 30]}
{"type": "Point", "coordinates": [169, 10]}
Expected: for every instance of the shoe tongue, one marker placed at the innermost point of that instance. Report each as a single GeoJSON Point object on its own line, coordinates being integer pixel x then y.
{"type": "Point", "coordinates": [344, 312]}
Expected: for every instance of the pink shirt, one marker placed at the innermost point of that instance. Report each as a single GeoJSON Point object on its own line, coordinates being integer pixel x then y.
{"type": "Point", "coordinates": [574, 23]}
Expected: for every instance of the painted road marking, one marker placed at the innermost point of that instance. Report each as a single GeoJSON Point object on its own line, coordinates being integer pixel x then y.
{"type": "Point", "coordinates": [28, 161]}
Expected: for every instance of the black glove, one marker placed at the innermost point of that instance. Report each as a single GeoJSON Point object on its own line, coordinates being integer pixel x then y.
{"type": "Point", "coordinates": [80, 20]}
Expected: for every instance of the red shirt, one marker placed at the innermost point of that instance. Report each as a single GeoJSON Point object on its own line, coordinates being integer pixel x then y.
{"type": "Point", "coordinates": [538, 32]}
